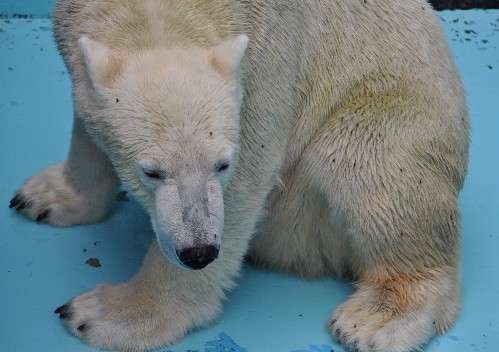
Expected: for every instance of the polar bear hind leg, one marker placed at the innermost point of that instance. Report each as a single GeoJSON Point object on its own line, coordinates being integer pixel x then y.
{"type": "Point", "coordinates": [379, 163]}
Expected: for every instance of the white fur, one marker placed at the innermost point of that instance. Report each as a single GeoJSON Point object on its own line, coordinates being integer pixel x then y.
{"type": "Point", "coordinates": [344, 128]}
{"type": "Point", "coordinates": [96, 56]}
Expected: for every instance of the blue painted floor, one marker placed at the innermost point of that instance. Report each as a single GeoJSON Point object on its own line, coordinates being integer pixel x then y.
{"type": "Point", "coordinates": [42, 267]}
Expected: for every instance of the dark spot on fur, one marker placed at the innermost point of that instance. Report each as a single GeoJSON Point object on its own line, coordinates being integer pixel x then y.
{"type": "Point", "coordinates": [211, 133]}
{"type": "Point", "coordinates": [334, 160]}
{"type": "Point", "coordinates": [117, 100]}
{"type": "Point", "coordinates": [263, 146]}
{"type": "Point", "coordinates": [93, 262]}
{"type": "Point", "coordinates": [122, 196]}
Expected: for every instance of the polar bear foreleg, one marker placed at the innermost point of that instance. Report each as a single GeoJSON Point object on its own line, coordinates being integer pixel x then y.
{"type": "Point", "coordinates": [156, 308]}
{"type": "Point", "coordinates": [79, 190]}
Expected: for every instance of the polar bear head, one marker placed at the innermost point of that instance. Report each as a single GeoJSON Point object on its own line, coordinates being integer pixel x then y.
{"type": "Point", "coordinates": [168, 118]}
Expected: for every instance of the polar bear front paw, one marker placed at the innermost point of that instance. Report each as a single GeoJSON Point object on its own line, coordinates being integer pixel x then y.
{"type": "Point", "coordinates": [122, 318]}
{"type": "Point", "coordinates": [50, 196]}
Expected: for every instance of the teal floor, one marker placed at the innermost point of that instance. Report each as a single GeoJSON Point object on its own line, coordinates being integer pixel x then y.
{"type": "Point", "coordinates": [41, 267]}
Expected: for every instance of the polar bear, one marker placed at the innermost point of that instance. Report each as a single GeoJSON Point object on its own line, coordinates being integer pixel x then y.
{"type": "Point", "coordinates": [321, 138]}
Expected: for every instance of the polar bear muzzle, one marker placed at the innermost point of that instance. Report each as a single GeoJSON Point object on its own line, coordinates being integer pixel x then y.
{"type": "Point", "coordinates": [189, 219]}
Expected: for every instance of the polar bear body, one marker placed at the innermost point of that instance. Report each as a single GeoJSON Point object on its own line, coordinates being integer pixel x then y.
{"type": "Point", "coordinates": [318, 137]}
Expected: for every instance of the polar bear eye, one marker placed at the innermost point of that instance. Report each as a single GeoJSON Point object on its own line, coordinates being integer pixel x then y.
{"type": "Point", "coordinates": [222, 166]}
{"type": "Point", "coordinates": [153, 174]}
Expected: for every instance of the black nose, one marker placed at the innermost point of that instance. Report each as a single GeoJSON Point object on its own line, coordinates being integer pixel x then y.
{"type": "Point", "coordinates": [198, 257]}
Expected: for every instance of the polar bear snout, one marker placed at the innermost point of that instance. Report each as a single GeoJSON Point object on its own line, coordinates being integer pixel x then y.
{"type": "Point", "coordinates": [197, 258]}
{"type": "Point", "coordinates": [189, 221]}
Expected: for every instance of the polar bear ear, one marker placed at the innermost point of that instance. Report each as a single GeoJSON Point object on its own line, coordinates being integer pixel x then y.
{"type": "Point", "coordinates": [227, 55]}
{"type": "Point", "coordinates": [101, 65]}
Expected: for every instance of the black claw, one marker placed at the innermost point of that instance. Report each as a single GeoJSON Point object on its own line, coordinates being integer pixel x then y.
{"type": "Point", "coordinates": [64, 312]}
{"type": "Point", "coordinates": [82, 328]}
{"type": "Point", "coordinates": [14, 202]}
{"type": "Point", "coordinates": [22, 206]}
{"type": "Point", "coordinates": [60, 309]}
{"type": "Point", "coordinates": [43, 215]}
